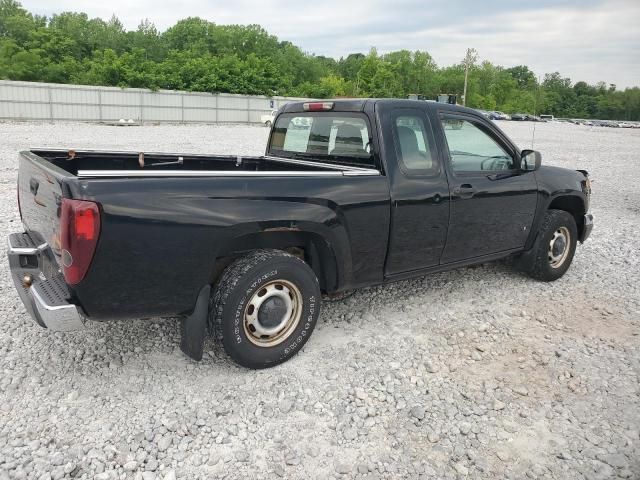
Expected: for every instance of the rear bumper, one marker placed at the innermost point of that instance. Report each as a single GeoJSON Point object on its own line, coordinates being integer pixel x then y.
{"type": "Point", "coordinates": [587, 227]}
{"type": "Point", "coordinates": [41, 286]}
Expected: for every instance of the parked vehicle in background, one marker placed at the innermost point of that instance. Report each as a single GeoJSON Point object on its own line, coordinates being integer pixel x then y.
{"type": "Point", "coordinates": [519, 117]}
{"type": "Point", "coordinates": [267, 119]}
{"type": "Point", "coordinates": [624, 125]}
{"type": "Point", "coordinates": [449, 98]}
{"type": "Point", "coordinates": [370, 192]}
{"type": "Point", "coordinates": [492, 115]}
{"type": "Point", "coordinates": [548, 118]}
{"type": "Point", "coordinates": [588, 123]}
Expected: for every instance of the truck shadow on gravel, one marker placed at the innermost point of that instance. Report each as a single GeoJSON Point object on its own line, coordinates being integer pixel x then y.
{"type": "Point", "coordinates": [438, 301]}
{"type": "Point", "coordinates": [156, 341]}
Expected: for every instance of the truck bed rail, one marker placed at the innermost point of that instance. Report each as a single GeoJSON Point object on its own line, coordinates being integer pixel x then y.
{"type": "Point", "coordinates": [222, 173]}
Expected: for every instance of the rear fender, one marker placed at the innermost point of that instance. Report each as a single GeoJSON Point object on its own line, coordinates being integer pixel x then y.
{"type": "Point", "coordinates": [329, 263]}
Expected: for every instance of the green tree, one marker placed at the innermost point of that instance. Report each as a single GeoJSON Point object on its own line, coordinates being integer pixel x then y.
{"type": "Point", "coordinates": [198, 55]}
{"type": "Point", "coordinates": [525, 78]}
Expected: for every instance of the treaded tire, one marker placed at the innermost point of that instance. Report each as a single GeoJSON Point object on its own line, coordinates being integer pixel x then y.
{"type": "Point", "coordinates": [239, 283]}
{"type": "Point", "coordinates": [542, 268]}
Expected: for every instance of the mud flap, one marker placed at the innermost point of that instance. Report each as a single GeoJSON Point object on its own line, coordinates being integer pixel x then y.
{"type": "Point", "coordinates": [526, 260]}
{"type": "Point", "coordinates": [194, 327]}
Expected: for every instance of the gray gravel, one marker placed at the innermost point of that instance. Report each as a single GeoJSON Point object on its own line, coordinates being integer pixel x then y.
{"type": "Point", "coordinates": [476, 373]}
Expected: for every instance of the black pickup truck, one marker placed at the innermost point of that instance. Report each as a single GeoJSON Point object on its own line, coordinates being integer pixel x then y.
{"type": "Point", "coordinates": [350, 193]}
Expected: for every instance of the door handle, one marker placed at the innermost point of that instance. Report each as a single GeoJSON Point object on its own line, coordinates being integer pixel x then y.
{"type": "Point", "coordinates": [465, 190]}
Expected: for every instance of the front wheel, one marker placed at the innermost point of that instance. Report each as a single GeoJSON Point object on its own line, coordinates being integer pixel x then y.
{"type": "Point", "coordinates": [265, 308]}
{"type": "Point", "coordinates": [555, 246]}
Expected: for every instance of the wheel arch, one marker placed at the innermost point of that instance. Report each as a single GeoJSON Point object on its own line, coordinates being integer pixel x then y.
{"type": "Point", "coordinates": [311, 247]}
{"type": "Point", "coordinates": [573, 205]}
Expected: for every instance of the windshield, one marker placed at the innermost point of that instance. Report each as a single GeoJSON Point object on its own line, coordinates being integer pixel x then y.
{"type": "Point", "coordinates": [327, 137]}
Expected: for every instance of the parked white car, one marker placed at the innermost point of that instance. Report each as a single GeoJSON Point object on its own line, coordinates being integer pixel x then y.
{"type": "Point", "coordinates": [267, 119]}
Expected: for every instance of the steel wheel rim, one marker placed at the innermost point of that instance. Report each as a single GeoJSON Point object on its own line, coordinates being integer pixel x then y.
{"type": "Point", "coordinates": [289, 297]}
{"type": "Point", "coordinates": [559, 247]}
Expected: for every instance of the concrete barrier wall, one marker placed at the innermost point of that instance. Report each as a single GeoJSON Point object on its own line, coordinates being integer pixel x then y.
{"type": "Point", "coordinates": [52, 101]}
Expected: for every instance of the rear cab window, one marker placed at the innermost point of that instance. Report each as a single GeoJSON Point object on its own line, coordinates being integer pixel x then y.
{"type": "Point", "coordinates": [415, 149]}
{"type": "Point", "coordinates": [340, 138]}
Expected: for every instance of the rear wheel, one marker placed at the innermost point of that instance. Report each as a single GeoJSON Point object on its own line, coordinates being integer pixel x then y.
{"type": "Point", "coordinates": [265, 308]}
{"type": "Point", "coordinates": [555, 246]}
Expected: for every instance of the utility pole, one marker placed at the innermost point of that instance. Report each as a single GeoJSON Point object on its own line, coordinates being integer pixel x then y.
{"type": "Point", "coordinates": [469, 61]}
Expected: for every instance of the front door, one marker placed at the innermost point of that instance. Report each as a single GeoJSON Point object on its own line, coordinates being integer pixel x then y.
{"type": "Point", "coordinates": [493, 202]}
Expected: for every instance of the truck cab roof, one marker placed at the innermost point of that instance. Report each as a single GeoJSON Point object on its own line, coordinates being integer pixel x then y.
{"type": "Point", "coordinates": [360, 105]}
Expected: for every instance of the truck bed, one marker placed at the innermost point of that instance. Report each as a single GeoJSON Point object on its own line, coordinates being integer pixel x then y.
{"type": "Point", "coordinates": [164, 227]}
{"type": "Point", "coordinates": [95, 163]}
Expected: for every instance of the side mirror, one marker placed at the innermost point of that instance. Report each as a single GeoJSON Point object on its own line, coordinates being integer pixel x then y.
{"type": "Point", "coordinates": [530, 160]}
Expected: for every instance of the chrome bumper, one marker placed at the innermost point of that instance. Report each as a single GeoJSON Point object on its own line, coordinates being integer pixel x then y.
{"type": "Point", "coordinates": [41, 286]}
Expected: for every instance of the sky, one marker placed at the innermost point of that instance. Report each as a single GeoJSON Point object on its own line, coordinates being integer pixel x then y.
{"type": "Point", "coordinates": [590, 40]}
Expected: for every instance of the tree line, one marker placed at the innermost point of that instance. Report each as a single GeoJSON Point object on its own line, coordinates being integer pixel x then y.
{"type": "Point", "coordinates": [198, 55]}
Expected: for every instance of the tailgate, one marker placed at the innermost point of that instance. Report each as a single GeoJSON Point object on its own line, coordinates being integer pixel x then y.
{"type": "Point", "coordinates": [34, 256]}
{"type": "Point", "coordinates": [40, 187]}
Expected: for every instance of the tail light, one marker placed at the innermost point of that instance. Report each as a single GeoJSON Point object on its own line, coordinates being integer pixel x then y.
{"type": "Point", "coordinates": [79, 232]}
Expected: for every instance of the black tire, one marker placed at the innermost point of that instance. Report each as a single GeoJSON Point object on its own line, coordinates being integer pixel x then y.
{"type": "Point", "coordinates": [544, 268]}
{"type": "Point", "coordinates": [267, 123]}
{"type": "Point", "coordinates": [243, 282]}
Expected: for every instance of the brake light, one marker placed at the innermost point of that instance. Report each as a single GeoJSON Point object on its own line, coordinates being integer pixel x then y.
{"type": "Point", "coordinates": [317, 106]}
{"type": "Point", "coordinates": [79, 232]}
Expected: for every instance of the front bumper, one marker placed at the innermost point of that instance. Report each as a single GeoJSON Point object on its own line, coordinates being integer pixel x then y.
{"type": "Point", "coordinates": [587, 227]}
{"type": "Point", "coordinates": [41, 285]}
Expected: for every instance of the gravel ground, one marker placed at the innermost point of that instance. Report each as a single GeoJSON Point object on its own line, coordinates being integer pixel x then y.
{"type": "Point", "coordinates": [476, 373]}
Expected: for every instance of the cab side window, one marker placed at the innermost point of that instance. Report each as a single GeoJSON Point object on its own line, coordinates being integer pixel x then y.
{"type": "Point", "coordinates": [471, 149]}
{"type": "Point", "coordinates": [413, 146]}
